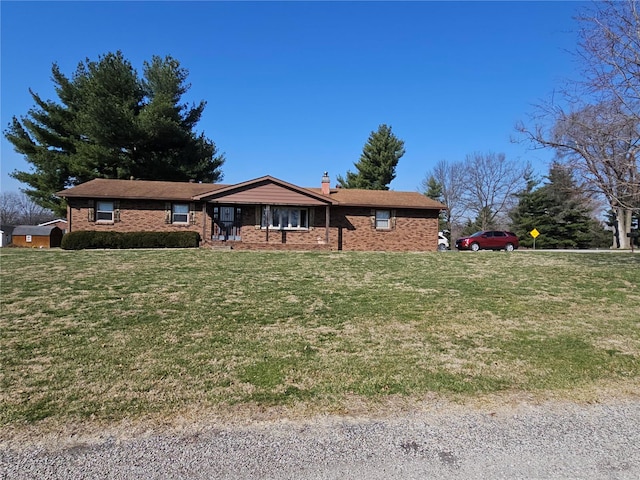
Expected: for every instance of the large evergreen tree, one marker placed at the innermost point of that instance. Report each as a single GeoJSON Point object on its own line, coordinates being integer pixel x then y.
{"type": "Point", "coordinates": [560, 211]}
{"type": "Point", "coordinates": [110, 123]}
{"type": "Point", "coordinates": [377, 164]}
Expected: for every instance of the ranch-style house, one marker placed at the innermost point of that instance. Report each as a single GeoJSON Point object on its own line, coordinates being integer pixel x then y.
{"type": "Point", "coordinates": [264, 213]}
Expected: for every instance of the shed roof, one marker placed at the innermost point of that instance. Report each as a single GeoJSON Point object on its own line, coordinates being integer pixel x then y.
{"type": "Point", "coordinates": [35, 230]}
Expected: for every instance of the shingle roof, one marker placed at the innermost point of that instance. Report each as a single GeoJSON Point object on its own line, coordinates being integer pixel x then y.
{"type": "Point", "coordinates": [384, 198]}
{"type": "Point", "coordinates": [139, 189]}
{"type": "Point", "coordinates": [155, 190]}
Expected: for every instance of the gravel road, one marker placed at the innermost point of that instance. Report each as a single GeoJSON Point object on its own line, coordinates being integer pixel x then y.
{"type": "Point", "coordinates": [559, 441]}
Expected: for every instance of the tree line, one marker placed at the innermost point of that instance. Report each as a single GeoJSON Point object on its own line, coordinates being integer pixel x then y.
{"type": "Point", "coordinates": [19, 209]}
{"type": "Point", "coordinates": [488, 192]}
{"type": "Point", "coordinates": [593, 126]}
{"type": "Point", "coordinates": [593, 123]}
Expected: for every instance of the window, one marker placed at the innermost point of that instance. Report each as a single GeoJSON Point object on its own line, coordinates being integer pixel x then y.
{"type": "Point", "coordinates": [383, 218]}
{"type": "Point", "coordinates": [285, 218]}
{"type": "Point", "coordinates": [180, 213]}
{"type": "Point", "coordinates": [104, 211]}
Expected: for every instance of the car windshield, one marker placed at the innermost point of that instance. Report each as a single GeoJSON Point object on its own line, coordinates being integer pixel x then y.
{"type": "Point", "coordinates": [477, 234]}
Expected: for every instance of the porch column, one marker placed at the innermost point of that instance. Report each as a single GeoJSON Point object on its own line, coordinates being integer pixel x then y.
{"type": "Point", "coordinates": [204, 222]}
{"type": "Point", "coordinates": [326, 224]}
{"type": "Point", "coordinates": [267, 210]}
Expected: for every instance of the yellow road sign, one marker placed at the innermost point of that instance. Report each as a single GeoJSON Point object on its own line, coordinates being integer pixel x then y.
{"type": "Point", "coordinates": [534, 233]}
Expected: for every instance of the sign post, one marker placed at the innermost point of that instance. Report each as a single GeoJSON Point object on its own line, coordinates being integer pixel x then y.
{"type": "Point", "coordinates": [534, 233]}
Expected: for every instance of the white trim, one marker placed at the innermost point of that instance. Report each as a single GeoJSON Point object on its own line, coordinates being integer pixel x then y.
{"type": "Point", "coordinates": [180, 214]}
{"type": "Point", "coordinates": [380, 220]}
{"type": "Point", "coordinates": [292, 213]}
{"type": "Point", "coordinates": [103, 212]}
{"type": "Point", "coordinates": [58, 220]}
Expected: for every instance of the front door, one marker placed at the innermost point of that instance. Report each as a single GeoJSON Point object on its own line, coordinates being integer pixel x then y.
{"type": "Point", "coordinates": [226, 223]}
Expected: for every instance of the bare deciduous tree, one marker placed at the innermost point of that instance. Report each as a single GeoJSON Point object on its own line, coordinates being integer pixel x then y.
{"type": "Point", "coordinates": [482, 186]}
{"type": "Point", "coordinates": [491, 186]}
{"type": "Point", "coordinates": [609, 46]}
{"type": "Point", "coordinates": [20, 209]}
{"type": "Point", "coordinates": [451, 178]}
{"type": "Point", "coordinates": [598, 131]}
{"type": "Point", "coordinates": [9, 208]}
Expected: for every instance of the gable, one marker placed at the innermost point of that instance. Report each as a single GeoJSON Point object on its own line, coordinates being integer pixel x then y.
{"type": "Point", "coordinates": [266, 190]}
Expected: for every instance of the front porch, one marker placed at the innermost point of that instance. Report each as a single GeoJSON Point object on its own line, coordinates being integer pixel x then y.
{"type": "Point", "coordinates": [265, 226]}
{"type": "Point", "coordinates": [266, 212]}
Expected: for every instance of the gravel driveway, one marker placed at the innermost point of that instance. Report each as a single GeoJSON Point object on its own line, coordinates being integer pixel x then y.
{"type": "Point", "coordinates": [548, 441]}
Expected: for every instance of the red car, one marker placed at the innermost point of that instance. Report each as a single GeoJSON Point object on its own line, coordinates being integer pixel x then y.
{"type": "Point", "coordinates": [489, 240]}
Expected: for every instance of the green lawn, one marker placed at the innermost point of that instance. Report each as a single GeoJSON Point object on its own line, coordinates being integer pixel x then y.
{"type": "Point", "coordinates": [110, 335]}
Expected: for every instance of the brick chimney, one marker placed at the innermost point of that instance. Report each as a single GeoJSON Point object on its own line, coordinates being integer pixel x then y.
{"type": "Point", "coordinates": [325, 183]}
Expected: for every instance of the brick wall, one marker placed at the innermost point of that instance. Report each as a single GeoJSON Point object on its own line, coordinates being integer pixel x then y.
{"type": "Point", "coordinates": [135, 216]}
{"type": "Point", "coordinates": [351, 228]}
{"type": "Point", "coordinates": [411, 230]}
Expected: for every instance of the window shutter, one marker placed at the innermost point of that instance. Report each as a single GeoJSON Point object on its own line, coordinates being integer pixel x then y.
{"type": "Point", "coordinates": [91, 212]}
{"type": "Point", "coordinates": [192, 213]}
{"type": "Point", "coordinates": [116, 211]}
{"type": "Point", "coordinates": [312, 217]}
{"type": "Point", "coordinates": [373, 218]}
{"type": "Point", "coordinates": [167, 212]}
{"type": "Point", "coordinates": [393, 219]}
{"type": "Point", "coordinates": [258, 216]}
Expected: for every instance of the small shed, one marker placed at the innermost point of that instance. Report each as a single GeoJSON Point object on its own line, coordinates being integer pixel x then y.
{"type": "Point", "coordinates": [5, 235]}
{"type": "Point", "coordinates": [36, 236]}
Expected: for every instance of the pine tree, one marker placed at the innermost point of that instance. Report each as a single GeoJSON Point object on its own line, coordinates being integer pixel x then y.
{"type": "Point", "coordinates": [560, 212]}
{"type": "Point", "coordinates": [481, 222]}
{"type": "Point", "coordinates": [109, 123]}
{"type": "Point", "coordinates": [377, 164]}
{"type": "Point", "coordinates": [433, 189]}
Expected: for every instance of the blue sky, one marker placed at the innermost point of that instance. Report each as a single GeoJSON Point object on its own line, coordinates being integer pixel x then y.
{"type": "Point", "coordinates": [294, 89]}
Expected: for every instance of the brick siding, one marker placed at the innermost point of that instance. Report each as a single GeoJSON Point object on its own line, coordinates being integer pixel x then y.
{"type": "Point", "coordinates": [351, 228]}
{"type": "Point", "coordinates": [410, 231]}
{"type": "Point", "coordinates": [135, 216]}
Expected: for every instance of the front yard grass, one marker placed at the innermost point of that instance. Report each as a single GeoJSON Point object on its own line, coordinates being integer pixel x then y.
{"type": "Point", "coordinates": [104, 336]}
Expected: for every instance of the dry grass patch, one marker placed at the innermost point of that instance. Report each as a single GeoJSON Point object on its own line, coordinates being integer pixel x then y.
{"type": "Point", "coordinates": [109, 336]}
